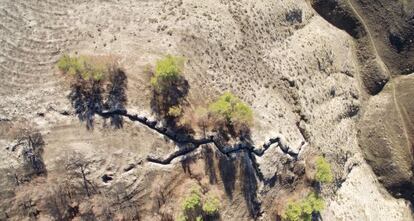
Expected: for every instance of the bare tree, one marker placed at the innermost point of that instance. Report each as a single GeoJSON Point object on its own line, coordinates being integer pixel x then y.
{"type": "Point", "coordinates": [77, 167]}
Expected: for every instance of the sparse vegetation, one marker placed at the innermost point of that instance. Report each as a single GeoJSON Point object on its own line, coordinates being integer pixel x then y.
{"type": "Point", "coordinates": [69, 64]}
{"type": "Point", "coordinates": [305, 209]}
{"type": "Point", "coordinates": [32, 153]}
{"type": "Point", "coordinates": [76, 165]}
{"type": "Point", "coordinates": [323, 171]}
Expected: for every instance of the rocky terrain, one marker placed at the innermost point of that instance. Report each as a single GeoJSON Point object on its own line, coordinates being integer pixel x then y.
{"type": "Point", "coordinates": [323, 77]}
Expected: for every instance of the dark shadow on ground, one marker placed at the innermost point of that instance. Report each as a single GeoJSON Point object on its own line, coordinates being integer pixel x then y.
{"type": "Point", "coordinates": [227, 169]}
{"type": "Point", "coordinates": [186, 163]}
{"type": "Point", "coordinates": [90, 96]}
{"type": "Point", "coordinates": [117, 97]}
{"type": "Point", "coordinates": [209, 165]}
{"type": "Point", "coordinates": [173, 95]}
{"type": "Point", "coordinates": [248, 181]}
{"type": "Point", "coordinates": [86, 99]}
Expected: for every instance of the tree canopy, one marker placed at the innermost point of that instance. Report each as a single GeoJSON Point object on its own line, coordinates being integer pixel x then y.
{"type": "Point", "coordinates": [302, 210]}
{"type": "Point", "coordinates": [323, 171]}
{"type": "Point", "coordinates": [167, 71]}
{"type": "Point", "coordinates": [231, 109]}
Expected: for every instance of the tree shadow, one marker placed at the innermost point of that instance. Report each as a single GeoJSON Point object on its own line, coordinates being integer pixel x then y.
{"type": "Point", "coordinates": [89, 96]}
{"type": "Point", "coordinates": [249, 184]}
{"type": "Point", "coordinates": [227, 169]}
{"type": "Point", "coordinates": [209, 165]}
{"type": "Point", "coordinates": [181, 131]}
{"type": "Point", "coordinates": [213, 217]}
{"type": "Point", "coordinates": [186, 163]}
{"type": "Point", "coordinates": [86, 99]}
{"type": "Point", "coordinates": [226, 132]}
{"type": "Point", "coordinates": [94, 102]}
{"type": "Point", "coordinates": [173, 95]}
{"type": "Point", "coordinates": [116, 98]}
{"type": "Point", "coordinates": [58, 202]}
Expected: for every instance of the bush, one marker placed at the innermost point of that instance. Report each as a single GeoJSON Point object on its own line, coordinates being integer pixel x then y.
{"type": "Point", "coordinates": [193, 201]}
{"type": "Point", "coordinates": [323, 171]}
{"type": "Point", "coordinates": [85, 67]}
{"type": "Point", "coordinates": [167, 70]}
{"type": "Point", "coordinates": [211, 206]}
{"type": "Point", "coordinates": [70, 65]}
{"type": "Point", "coordinates": [195, 207]}
{"type": "Point", "coordinates": [304, 209]}
{"type": "Point", "coordinates": [232, 110]}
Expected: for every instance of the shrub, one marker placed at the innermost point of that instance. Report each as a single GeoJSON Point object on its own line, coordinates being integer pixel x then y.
{"type": "Point", "coordinates": [85, 67]}
{"type": "Point", "coordinates": [193, 201]}
{"type": "Point", "coordinates": [323, 171]}
{"type": "Point", "coordinates": [196, 207]}
{"type": "Point", "coordinates": [304, 209]}
{"type": "Point", "coordinates": [211, 205]}
{"type": "Point", "coordinates": [70, 65]}
{"type": "Point", "coordinates": [167, 70]}
{"type": "Point", "coordinates": [232, 110]}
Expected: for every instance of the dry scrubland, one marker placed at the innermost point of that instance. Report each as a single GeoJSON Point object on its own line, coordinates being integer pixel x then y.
{"type": "Point", "coordinates": [300, 74]}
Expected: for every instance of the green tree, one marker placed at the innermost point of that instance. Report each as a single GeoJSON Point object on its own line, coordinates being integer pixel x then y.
{"type": "Point", "coordinates": [211, 205]}
{"type": "Point", "coordinates": [232, 110]}
{"type": "Point", "coordinates": [323, 171]}
{"type": "Point", "coordinates": [169, 88]}
{"type": "Point", "coordinates": [167, 72]}
{"type": "Point", "coordinates": [303, 210]}
{"type": "Point", "coordinates": [193, 201]}
{"type": "Point", "coordinates": [197, 207]}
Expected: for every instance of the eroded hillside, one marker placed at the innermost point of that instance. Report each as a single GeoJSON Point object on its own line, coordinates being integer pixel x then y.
{"type": "Point", "coordinates": [322, 78]}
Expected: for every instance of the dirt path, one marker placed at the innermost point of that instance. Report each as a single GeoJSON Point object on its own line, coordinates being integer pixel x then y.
{"type": "Point", "coordinates": [392, 80]}
{"type": "Point", "coordinates": [368, 32]}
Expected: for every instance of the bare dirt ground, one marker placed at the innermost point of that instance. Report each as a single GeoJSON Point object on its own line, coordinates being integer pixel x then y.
{"type": "Point", "coordinates": [300, 74]}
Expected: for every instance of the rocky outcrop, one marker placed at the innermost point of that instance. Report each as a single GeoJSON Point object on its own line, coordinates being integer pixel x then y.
{"type": "Point", "coordinates": [386, 136]}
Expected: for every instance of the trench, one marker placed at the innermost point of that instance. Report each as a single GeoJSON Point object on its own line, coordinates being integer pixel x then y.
{"type": "Point", "coordinates": [189, 144]}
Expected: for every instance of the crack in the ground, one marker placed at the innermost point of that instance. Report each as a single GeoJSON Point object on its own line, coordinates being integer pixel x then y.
{"type": "Point", "coordinates": [188, 143]}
